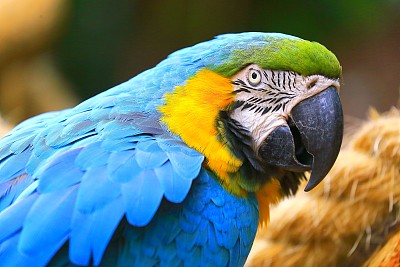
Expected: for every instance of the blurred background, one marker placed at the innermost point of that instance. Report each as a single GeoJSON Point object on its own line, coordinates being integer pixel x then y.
{"type": "Point", "coordinates": [54, 54]}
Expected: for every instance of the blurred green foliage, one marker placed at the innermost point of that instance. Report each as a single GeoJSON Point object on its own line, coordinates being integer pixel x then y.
{"type": "Point", "coordinates": [109, 41]}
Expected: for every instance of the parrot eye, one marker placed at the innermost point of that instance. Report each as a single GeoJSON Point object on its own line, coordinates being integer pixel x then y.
{"type": "Point", "coordinates": [254, 77]}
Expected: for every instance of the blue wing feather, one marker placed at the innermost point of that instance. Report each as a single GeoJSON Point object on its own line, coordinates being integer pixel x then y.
{"type": "Point", "coordinates": [9, 256]}
{"type": "Point", "coordinates": [21, 145]}
{"type": "Point", "coordinates": [13, 166]}
{"type": "Point", "coordinates": [47, 224]}
{"type": "Point", "coordinates": [142, 196]}
{"type": "Point", "coordinates": [104, 227]}
{"type": "Point", "coordinates": [117, 145]}
{"type": "Point", "coordinates": [28, 190]}
{"type": "Point", "coordinates": [33, 163]}
{"type": "Point", "coordinates": [52, 135]}
{"type": "Point", "coordinates": [59, 173]}
{"type": "Point", "coordinates": [108, 130]}
{"type": "Point", "coordinates": [92, 156]}
{"type": "Point", "coordinates": [91, 232]}
{"type": "Point", "coordinates": [96, 190]}
{"type": "Point", "coordinates": [41, 149]}
{"type": "Point", "coordinates": [175, 187]}
{"type": "Point", "coordinates": [77, 128]}
{"type": "Point", "coordinates": [149, 155]}
{"type": "Point", "coordinates": [12, 219]}
{"type": "Point", "coordinates": [10, 191]}
{"type": "Point", "coordinates": [183, 159]}
{"type": "Point", "coordinates": [80, 180]}
{"type": "Point", "coordinates": [122, 166]}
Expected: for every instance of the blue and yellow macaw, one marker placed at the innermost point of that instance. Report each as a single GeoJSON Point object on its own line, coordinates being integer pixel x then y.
{"type": "Point", "coordinates": [177, 166]}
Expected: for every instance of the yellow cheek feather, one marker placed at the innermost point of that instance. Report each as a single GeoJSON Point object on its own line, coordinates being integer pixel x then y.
{"type": "Point", "coordinates": [191, 111]}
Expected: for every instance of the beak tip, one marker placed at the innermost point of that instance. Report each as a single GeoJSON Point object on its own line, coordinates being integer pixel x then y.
{"type": "Point", "coordinates": [309, 187]}
{"type": "Point", "coordinates": [318, 173]}
{"type": "Point", "coordinates": [313, 182]}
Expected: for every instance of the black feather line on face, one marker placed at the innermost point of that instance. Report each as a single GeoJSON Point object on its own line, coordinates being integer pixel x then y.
{"type": "Point", "coordinates": [238, 139]}
{"type": "Point", "coordinates": [253, 172]}
{"type": "Point", "coordinates": [273, 98]}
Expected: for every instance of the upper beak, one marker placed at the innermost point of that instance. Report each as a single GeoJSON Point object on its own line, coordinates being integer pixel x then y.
{"type": "Point", "coordinates": [312, 139]}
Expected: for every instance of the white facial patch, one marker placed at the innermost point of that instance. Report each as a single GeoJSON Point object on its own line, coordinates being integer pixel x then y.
{"type": "Point", "coordinates": [265, 102]}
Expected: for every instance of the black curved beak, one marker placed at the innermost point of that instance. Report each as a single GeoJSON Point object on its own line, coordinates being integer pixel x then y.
{"type": "Point", "coordinates": [312, 139]}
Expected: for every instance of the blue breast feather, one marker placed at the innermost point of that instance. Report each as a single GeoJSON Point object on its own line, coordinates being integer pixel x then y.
{"type": "Point", "coordinates": [79, 183]}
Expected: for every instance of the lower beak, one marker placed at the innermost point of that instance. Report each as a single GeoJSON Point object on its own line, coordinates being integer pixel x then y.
{"type": "Point", "coordinates": [312, 139]}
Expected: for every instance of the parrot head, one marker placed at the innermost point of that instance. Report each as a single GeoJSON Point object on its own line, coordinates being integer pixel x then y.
{"type": "Point", "coordinates": [182, 159]}
{"type": "Point", "coordinates": [263, 108]}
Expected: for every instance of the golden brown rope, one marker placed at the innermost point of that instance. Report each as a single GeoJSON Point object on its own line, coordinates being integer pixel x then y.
{"type": "Point", "coordinates": [345, 218]}
{"type": "Point", "coordinates": [388, 255]}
